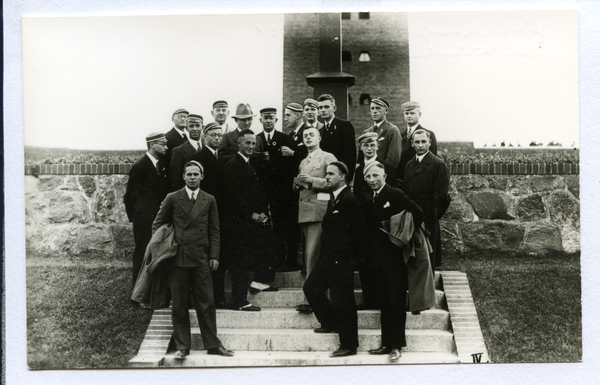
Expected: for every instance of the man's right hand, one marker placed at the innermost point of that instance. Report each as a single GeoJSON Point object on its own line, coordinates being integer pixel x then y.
{"type": "Point", "coordinates": [286, 151]}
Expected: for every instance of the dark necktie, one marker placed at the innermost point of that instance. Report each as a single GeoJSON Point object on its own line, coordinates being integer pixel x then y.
{"type": "Point", "coordinates": [184, 137]}
{"type": "Point", "coordinates": [158, 167]}
{"type": "Point", "coordinates": [269, 140]}
{"type": "Point", "coordinates": [375, 196]}
{"type": "Point", "coordinates": [217, 154]}
{"type": "Point", "coordinates": [193, 198]}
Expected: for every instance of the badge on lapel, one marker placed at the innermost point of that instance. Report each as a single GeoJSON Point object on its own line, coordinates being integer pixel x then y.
{"type": "Point", "coordinates": [387, 204]}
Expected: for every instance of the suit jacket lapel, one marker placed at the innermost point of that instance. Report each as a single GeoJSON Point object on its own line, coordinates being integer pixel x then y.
{"type": "Point", "coordinates": [184, 201]}
{"type": "Point", "coordinates": [201, 201]}
{"type": "Point", "coordinates": [150, 167]}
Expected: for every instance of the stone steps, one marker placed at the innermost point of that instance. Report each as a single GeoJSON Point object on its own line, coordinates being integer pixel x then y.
{"type": "Point", "coordinates": [292, 297]}
{"type": "Point", "coordinates": [286, 318]}
{"type": "Point", "coordinates": [302, 340]}
{"type": "Point", "coordinates": [270, 358]}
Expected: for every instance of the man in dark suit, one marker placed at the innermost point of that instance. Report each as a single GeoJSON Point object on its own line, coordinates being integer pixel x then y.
{"type": "Point", "coordinates": [337, 134]}
{"type": "Point", "coordinates": [385, 261]}
{"type": "Point", "coordinates": [245, 211]}
{"type": "Point", "coordinates": [176, 136]}
{"type": "Point", "coordinates": [183, 153]}
{"type": "Point", "coordinates": [277, 177]}
{"type": "Point", "coordinates": [220, 112]}
{"type": "Point", "coordinates": [343, 244]}
{"type": "Point", "coordinates": [368, 145]}
{"type": "Point", "coordinates": [212, 184]}
{"type": "Point", "coordinates": [229, 145]}
{"type": "Point", "coordinates": [146, 189]}
{"type": "Point", "coordinates": [389, 139]}
{"type": "Point", "coordinates": [194, 216]}
{"type": "Point", "coordinates": [294, 147]}
{"type": "Point", "coordinates": [426, 181]}
{"type": "Point", "coordinates": [412, 115]}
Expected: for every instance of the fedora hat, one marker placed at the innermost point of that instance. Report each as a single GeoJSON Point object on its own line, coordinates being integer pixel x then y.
{"type": "Point", "coordinates": [243, 111]}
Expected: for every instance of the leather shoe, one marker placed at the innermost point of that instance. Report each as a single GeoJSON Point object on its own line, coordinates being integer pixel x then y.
{"type": "Point", "coordinates": [395, 355]}
{"type": "Point", "coordinates": [325, 330]}
{"type": "Point", "coordinates": [304, 309]}
{"type": "Point", "coordinates": [249, 307]}
{"type": "Point", "coordinates": [221, 351]}
{"type": "Point", "coordinates": [180, 354]}
{"type": "Point", "coordinates": [381, 350]}
{"type": "Point", "coordinates": [343, 353]}
{"type": "Point", "coordinates": [416, 312]}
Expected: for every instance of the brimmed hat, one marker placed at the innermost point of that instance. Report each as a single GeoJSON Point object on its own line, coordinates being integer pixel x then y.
{"type": "Point", "coordinates": [296, 107]}
{"type": "Point", "coordinates": [180, 111]}
{"type": "Point", "coordinates": [312, 103]}
{"type": "Point", "coordinates": [410, 106]}
{"type": "Point", "coordinates": [153, 137]}
{"type": "Point", "coordinates": [368, 137]}
{"type": "Point", "coordinates": [211, 126]}
{"type": "Point", "coordinates": [381, 102]}
{"type": "Point", "coordinates": [193, 118]}
{"type": "Point", "coordinates": [220, 103]}
{"type": "Point", "coordinates": [243, 111]}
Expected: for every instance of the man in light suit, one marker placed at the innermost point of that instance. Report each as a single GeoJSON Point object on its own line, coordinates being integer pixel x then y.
{"type": "Point", "coordinates": [343, 244]}
{"type": "Point", "coordinates": [412, 115]}
{"type": "Point", "coordinates": [426, 181]}
{"type": "Point", "coordinates": [337, 134]}
{"type": "Point", "coordinates": [146, 188]}
{"type": "Point", "coordinates": [229, 145]}
{"type": "Point", "coordinates": [183, 153]}
{"type": "Point", "coordinates": [313, 197]}
{"type": "Point", "coordinates": [176, 136]}
{"type": "Point", "coordinates": [389, 139]}
{"type": "Point", "coordinates": [195, 219]}
{"type": "Point", "coordinates": [384, 261]}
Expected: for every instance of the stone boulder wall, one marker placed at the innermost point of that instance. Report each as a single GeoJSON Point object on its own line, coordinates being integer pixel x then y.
{"type": "Point", "coordinates": [85, 215]}
{"type": "Point", "coordinates": [77, 214]}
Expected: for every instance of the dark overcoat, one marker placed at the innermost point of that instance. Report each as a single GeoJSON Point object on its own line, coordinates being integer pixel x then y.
{"type": "Point", "coordinates": [341, 143]}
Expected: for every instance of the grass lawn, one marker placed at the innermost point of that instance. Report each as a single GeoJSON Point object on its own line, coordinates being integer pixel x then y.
{"type": "Point", "coordinates": [79, 314]}
{"type": "Point", "coordinates": [529, 307]}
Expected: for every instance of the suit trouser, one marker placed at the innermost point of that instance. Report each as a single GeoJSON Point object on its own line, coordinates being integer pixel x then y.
{"type": "Point", "coordinates": [198, 279]}
{"type": "Point", "coordinates": [142, 234]}
{"type": "Point", "coordinates": [369, 284]}
{"type": "Point", "coordinates": [312, 244]}
{"type": "Point", "coordinates": [392, 282]}
{"type": "Point", "coordinates": [340, 312]}
{"type": "Point", "coordinates": [285, 225]}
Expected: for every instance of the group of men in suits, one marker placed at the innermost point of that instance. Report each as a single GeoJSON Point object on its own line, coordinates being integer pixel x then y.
{"type": "Point", "coordinates": [272, 194]}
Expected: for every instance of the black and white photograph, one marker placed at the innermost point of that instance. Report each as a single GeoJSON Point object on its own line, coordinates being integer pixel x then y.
{"type": "Point", "coordinates": [328, 192]}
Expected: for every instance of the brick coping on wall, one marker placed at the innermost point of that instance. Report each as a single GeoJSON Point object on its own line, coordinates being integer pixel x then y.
{"type": "Point", "coordinates": [455, 169]}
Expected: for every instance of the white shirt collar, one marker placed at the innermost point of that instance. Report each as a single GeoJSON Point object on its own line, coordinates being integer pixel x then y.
{"type": "Point", "coordinates": [313, 154]}
{"type": "Point", "coordinates": [412, 129]}
{"type": "Point", "coordinates": [329, 121]}
{"type": "Point", "coordinates": [195, 143]}
{"type": "Point", "coordinates": [338, 191]}
{"type": "Point", "coordinates": [244, 156]}
{"type": "Point", "coordinates": [181, 132]}
{"type": "Point", "coordinates": [379, 191]}
{"type": "Point", "coordinates": [213, 151]}
{"type": "Point", "coordinates": [153, 159]}
{"type": "Point", "coordinates": [420, 157]}
{"type": "Point", "coordinates": [377, 125]}
{"type": "Point", "coordinates": [369, 161]}
{"type": "Point", "coordinates": [190, 192]}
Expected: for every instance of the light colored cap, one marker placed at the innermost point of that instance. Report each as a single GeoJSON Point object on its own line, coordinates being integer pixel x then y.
{"type": "Point", "coordinates": [368, 137]}
{"type": "Point", "coordinates": [243, 111]}
{"type": "Point", "coordinates": [153, 137]}
{"type": "Point", "coordinates": [410, 106]}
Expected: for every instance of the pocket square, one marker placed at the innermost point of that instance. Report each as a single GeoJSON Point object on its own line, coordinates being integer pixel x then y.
{"type": "Point", "coordinates": [335, 212]}
{"type": "Point", "coordinates": [387, 204]}
{"type": "Point", "coordinates": [382, 138]}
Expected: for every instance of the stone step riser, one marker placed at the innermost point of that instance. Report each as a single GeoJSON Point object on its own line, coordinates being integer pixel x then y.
{"type": "Point", "coordinates": [295, 280]}
{"type": "Point", "coordinates": [324, 342]}
{"type": "Point", "coordinates": [249, 359]}
{"type": "Point", "coordinates": [290, 298]}
{"type": "Point", "coordinates": [433, 319]}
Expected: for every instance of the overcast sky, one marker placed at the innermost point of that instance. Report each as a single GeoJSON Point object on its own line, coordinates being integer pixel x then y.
{"type": "Point", "coordinates": [106, 82]}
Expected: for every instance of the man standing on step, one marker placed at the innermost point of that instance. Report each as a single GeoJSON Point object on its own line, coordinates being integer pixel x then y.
{"type": "Point", "coordinates": [146, 189]}
{"type": "Point", "coordinates": [176, 136]}
{"type": "Point", "coordinates": [220, 112]}
{"type": "Point", "coordinates": [343, 244]}
{"type": "Point", "coordinates": [195, 219]}
{"type": "Point", "coordinates": [426, 181]}
{"type": "Point", "coordinates": [228, 148]}
{"type": "Point", "coordinates": [246, 218]}
{"type": "Point", "coordinates": [412, 115]}
{"type": "Point", "coordinates": [337, 134]}
{"type": "Point", "coordinates": [389, 139]}
{"type": "Point", "coordinates": [385, 261]}
{"type": "Point", "coordinates": [183, 153]}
